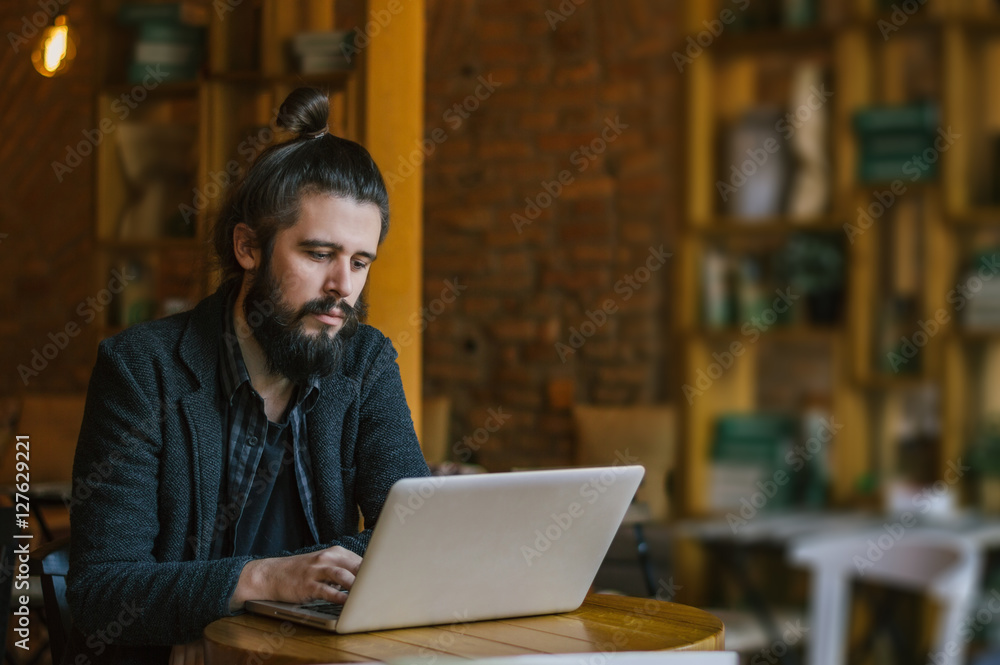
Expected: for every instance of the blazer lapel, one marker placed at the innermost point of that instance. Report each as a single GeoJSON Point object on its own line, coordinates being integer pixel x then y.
{"type": "Point", "coordinates": [199, 349]}
{"type": "Point", "coordinates": [331, 455]}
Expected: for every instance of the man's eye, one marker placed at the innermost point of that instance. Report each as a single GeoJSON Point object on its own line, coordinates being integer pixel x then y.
{"type": "Point", "coordinates": [319, 256]}
{"type": "Point", "coordinates": [360, 265]}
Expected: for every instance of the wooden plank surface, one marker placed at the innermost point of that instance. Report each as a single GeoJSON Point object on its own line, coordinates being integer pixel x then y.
{"type": "Point", "coordinates": [602, 624]}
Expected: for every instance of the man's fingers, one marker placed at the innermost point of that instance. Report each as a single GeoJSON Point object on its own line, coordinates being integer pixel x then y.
{"type": "Point", "coordinates": [344, 578]}
{"type": "Point", "coordinates": [324, 591]}
{"type": "Point", "coordinates": [343, 557]}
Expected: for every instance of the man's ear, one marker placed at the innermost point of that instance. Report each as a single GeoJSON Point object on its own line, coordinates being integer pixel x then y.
{"type": "Point", "coordinates": [245, 246]}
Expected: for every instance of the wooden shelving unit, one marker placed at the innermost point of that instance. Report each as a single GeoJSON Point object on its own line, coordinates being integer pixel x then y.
{"type": "Point", "coordinates": [948, 217]}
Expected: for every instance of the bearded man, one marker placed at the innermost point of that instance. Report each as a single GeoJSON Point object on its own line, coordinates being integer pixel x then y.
{"type": "Point", "coordinates": [226, 452]}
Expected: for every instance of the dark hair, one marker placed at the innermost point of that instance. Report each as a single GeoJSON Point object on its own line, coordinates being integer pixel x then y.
{"type": "Point", "coordinates": [267, 197]}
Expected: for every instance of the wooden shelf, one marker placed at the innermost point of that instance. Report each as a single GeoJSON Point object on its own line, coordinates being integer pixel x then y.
{"type": "Point", "coordinates": [977, 216]}
{"type": "Point", "coordinates": [767, 225]}
{"type": "Point", "coordinates": [793, 41]}
{"type": "Point", "coordinates": [780, 333]}
{"type": "Point", "coordinates": [977, 334]}
{"type": "Point", "coordinates": [150, 244]}
{"type": "Point", "coordinates": [339, 77]}
{"type": "Point", "coordinates": [162, 90]}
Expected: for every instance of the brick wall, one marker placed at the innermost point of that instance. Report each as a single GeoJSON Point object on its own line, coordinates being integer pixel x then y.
{"type": "Point", "coordinates": [550, 185]}
{"type": "Point", "coordinates": [47, 225]}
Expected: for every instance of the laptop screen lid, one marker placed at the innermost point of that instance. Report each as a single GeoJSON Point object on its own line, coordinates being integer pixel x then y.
{"type": "Point", "coordinates": [466, 548]}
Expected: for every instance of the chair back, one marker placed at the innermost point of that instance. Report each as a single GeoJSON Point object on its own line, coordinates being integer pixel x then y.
{"type": "Point", "coordinates": [645, 435]}
{"type": "Point", "coordinates": [947, 565]}
{"type": "Point", "coordinates": [6, 569]}
{"type": "Point", "coordinates": [50, 563]}
{"type": "Point", "coordinates": [436, 413]}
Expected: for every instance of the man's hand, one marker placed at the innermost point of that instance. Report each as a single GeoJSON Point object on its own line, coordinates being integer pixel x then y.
{"type": "Point", "coordinates": [192, 653]}
{"type": "Point", "coordinates": [300, 578]}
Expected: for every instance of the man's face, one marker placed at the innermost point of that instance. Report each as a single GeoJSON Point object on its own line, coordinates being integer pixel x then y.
{"type": "Point", "coordinates": [315, 275]}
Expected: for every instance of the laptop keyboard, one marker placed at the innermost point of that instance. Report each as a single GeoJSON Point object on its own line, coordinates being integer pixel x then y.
{"type": "Point", "coordinates": [330, 609]}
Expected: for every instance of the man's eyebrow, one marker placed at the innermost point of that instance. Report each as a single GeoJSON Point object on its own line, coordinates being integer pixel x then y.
{"type": "Point", "coordinates": [316, 243]}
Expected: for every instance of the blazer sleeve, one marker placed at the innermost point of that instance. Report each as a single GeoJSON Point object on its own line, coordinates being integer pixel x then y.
{"type": "Point", "coordinates": [114, 580]}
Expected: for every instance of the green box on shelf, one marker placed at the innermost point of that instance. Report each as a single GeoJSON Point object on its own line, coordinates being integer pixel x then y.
{"type": "Point", "coordinates": [985, 450]}
{"type": "Point", "coordinates": [897, 142]}
{"type": "Point", "coordinates": [759, 441]}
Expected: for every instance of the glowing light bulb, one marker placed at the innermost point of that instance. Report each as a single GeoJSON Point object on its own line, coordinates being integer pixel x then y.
{"type": "Point", "coordinates": [55, 49]}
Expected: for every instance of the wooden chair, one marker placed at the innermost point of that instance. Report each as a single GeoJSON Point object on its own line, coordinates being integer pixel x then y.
{"type": "Point", "coordinates": [6, 570]}
{"type": "Point", "coordinates": [436, 413]}
{"type": "Point", "coordinates": [50, 563]}
{"type": "Point", "coordinates": [645, 435]}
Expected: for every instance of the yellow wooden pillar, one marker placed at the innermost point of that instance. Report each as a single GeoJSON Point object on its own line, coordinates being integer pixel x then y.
{"type": "Point", "coordinates": [393, 129]}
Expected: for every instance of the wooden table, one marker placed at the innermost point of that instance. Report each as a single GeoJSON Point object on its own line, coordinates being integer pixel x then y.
{"type": "Point", "coordinates": [603, 623]}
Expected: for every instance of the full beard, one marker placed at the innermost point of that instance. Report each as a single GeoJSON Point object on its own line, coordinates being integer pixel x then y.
{"type": "Point", "coordinates": [288, 350]}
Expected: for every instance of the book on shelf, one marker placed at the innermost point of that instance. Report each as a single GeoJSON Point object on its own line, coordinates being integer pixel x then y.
{"type": "Point", "coordinates": [329, 41]}
{"type": "Point", "coordinates": [318, 52]}
{"type": "Point", "coordinates": [319, 63]}
{"type": "Point", "coordinates": [170, 39]}
{"type": "Point", "coordinates": [919, 116]}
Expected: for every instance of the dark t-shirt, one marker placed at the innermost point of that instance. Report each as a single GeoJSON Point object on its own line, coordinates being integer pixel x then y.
{"type": "Point", "coordinates": [273, 519]}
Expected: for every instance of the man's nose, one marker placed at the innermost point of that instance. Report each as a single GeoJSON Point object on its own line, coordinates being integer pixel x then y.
{"type": "Point", "coordinates": [338, 278]}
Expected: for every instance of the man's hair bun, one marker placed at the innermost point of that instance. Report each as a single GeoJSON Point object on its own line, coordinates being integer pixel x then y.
{"type": "Point", "coordinates": [315, 161]}
{"type": "Point", "coordinates": [305, 112]}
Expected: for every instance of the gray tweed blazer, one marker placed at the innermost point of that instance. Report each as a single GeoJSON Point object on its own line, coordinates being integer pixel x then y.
{"type": "Point", "coordinates": [149, 464]}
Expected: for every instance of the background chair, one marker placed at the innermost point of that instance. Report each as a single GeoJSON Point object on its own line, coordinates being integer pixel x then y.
{"type": "Point", "coordinates": [50, 563]}
{"type": "Point", "coordinates": [6, 572]}
{"type": "Point", "coordinates": [53, 423]}
{"type": "Point", "coordinates": [436, 412]}
{"type": "Point", "coordinates": [943, 564]}
{"type": "Point", "coordinates": [643, 435]}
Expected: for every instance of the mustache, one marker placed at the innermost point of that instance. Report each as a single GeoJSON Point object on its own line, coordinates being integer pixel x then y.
{"type": "Point", "coordinates": [325, 306]}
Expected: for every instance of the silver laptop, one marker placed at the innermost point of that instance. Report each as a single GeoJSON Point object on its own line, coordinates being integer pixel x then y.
{"type": "Point", "coordinates": [455, 549]}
